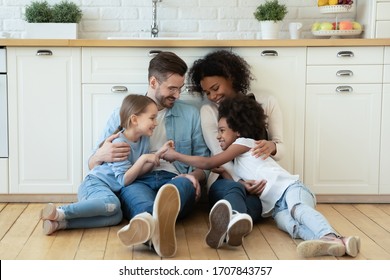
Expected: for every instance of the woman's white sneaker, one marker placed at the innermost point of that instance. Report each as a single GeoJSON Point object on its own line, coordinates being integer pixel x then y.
{"type": "Point", "coordinates": [240, 225]}
{"type": "Point", "coordinates": [219, 217]}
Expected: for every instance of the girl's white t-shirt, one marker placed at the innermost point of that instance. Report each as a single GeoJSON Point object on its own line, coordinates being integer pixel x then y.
{"type": "Point", "coordinates": [248, 167]}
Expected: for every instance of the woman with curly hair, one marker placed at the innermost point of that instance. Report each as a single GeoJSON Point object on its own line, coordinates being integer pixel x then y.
{"type": "Point", "coordinates": [285, 198]}
{"type": "Point", "coordinates": [219, 75]}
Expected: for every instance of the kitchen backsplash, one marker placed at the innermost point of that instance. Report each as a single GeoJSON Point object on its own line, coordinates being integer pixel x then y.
{"type": "Point", "coordinates": [207, 19]}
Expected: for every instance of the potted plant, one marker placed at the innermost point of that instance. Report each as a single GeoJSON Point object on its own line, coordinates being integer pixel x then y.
{"type": "Point", "coordinates": [270, 14]}
{"type": "Point", "coordinates": [59, 21]}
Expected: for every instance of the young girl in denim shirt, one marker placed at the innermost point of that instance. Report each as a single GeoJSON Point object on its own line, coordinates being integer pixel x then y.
{"type": "Point", "coordinates": [97, 205]}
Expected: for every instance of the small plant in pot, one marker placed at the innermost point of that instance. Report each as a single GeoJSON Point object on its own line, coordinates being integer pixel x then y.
{"type": "Point", "coordinates": [59, 21]}
{"type": "Point", "coordinates": [270, 15]}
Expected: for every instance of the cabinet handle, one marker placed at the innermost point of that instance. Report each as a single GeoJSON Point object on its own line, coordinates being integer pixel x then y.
{"type": "Point", "coordinates": [119, 89]}
{"type": "Point", "coordinates": [153, 53]}
{"type": "Point", "coordinates": [342, 73]}
{"type": "Point", "coordinates": [269, 53]}
{"type": "Point", "coordinates": [345, 54]}
{"type": "Point", "coordinates": [44, 52]}
{"type": "Point", "coordinates": [344, 89]}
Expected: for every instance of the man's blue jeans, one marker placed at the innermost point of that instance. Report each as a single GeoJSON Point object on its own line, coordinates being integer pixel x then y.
{"type": "Point", "coordinates": [139, 196]}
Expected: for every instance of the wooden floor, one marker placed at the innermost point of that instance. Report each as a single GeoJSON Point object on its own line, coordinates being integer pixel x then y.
{"type": "Point", "coordinates": [21, 237]}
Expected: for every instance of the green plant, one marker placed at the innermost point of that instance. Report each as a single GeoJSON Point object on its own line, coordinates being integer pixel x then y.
{"type": "Point", "coordinates": [65, 12]}
{"type": "Point", "coordinates": [271, 10]}
{"type": "Point", "coordinates": [38, 12]}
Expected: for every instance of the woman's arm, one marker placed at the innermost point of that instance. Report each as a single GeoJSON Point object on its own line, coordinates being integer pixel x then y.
{"type": "Point", "coordinates": [274, 146]}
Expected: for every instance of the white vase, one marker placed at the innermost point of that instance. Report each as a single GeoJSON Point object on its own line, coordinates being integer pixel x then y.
{"type": "Point", "coordinates": [51, 30]}
{"type": "Point", "coordinates": [270, 29]}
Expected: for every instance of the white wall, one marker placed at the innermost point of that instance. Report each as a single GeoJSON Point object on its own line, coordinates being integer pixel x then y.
{"type": "Point", "coordinates": [209, 19]}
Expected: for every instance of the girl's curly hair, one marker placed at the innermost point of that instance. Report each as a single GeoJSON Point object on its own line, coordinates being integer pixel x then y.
{"type": "Point", "coordinates": [245, 116]}
{"type": "Point", "coordinates": [221, 63]}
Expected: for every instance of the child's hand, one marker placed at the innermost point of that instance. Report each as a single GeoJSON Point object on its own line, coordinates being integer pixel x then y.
{"type": "Point", "coordinates": [151, 158]}
{"type": "Point", "coordinates": [169, 155]}
{"type": "Point", "coordinates": [168, 145]}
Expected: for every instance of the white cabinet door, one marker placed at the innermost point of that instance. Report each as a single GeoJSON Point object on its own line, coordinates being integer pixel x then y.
{"type": "Point", "coordinates": [342, 138]}
{"type": "Point", "coordinates": [45, 120]}
{"type": "Point", "coordinates": [281, 72]}
{"type": "Point", "coordinates": [3, 175]}
{"type": "Point", "coordinates": [384, 175]}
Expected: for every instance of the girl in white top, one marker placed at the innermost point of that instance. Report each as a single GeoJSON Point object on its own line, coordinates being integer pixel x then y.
{"type": "Point", "coordinates": [218, 75]}
{"type": "Point", "coordinates": [292, 205]}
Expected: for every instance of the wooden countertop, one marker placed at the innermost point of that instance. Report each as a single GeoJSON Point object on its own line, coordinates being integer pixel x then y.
{"type": "Point", "coordinates": [192, 43]}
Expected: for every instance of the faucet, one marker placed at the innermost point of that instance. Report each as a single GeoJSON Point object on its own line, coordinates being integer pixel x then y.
{"type": "Point", "coordinates": [154, 30]}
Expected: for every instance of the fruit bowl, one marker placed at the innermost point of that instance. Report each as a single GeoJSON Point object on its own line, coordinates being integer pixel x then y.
{"type": "Point", "coordinates": [336, 33]}
{"type": "Point", "coordinates": [328, 9]}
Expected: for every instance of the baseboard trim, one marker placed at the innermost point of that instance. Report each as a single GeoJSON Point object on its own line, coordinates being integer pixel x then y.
{"type": "Point", "coordinates": [38, 198]}
{"type": "Point", "coordinates": [347, 198]}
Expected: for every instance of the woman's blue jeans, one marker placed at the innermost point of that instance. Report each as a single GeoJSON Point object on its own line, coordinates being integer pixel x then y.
{"type": "Point", "coordinates": [139, 196]}
{"type": "Point", "coordinates": [235, 193]}
{"type": "Point", "coordinates": [98, 206]}
{"type": "Point", "coordinates": [295, 213]}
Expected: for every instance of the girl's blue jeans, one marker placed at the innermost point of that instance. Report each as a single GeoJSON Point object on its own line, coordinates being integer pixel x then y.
{"type": "Point", "coordinates": [236, 195]}
{"type": "Point", "coordinates": [295, 214]}
{"type": "Point", "coordinates": [97, 206]}
{"type": "Point", "coordinates": [139, 196]}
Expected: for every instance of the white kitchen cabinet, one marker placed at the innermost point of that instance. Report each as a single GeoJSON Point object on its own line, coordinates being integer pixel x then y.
{"type": "Point", "coordinates": [3, 175]}
{"type": "Point", "coordinates": [44, 120]}
{"type": "Point", "coordinates": [109, 74]}
{"type": "Point", "coordinates": [342, 121]}
{"type": "Point", "coordinates": [375, 16]}
{"type": "Point", "coordinates": [384, 179]}
{"type": "Point", "coordinates": [281, 72]}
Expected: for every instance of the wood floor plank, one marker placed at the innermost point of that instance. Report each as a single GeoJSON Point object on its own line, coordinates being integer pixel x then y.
{"type": "Point", "coordinates": [196, 227]}
{"type": "Point", "coordinates": [21, 237]}
{"type": "Point", "coordinates": [2, 206]}
{"type": "Point", "coordinates": [384, 207]}
{"type": "Point", "coordinates": [281, 243]}
{"type": "Point", "coordinates": [93, 244]}
{"type": "Point", "coordinates": [115, 250]}
{"type": "Point", "coordinates": [12, 243]}
{"type": "Point", "coordinates": [38, 244]}
{"type": "Point", "coordinates": [348, 220]}
{"type": "Point", "coordinates": [376, 214]}
{"type": "Point", "coordinates": [65, 244]}
{"type": "Point", "coordinates": [9, 215]}
{"type": "Point", "coordinates": [257, 247]}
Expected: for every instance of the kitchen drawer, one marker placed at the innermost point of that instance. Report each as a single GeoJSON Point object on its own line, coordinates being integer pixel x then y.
{"type": "Point", "coordinates": [127, 65]}
{"type": "Point", "coordinates": [344, 55]}
{"type": "Point", "coordinates": [383, 11]}
{"type": "Point", "coordinates": [361, 74]}
{"type": "Point", "coordinates": [382, 29]}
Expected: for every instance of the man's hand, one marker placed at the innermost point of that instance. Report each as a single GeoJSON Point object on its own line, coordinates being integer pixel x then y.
{"type": "Point", "coordinates": [194, 182]}
{"type": "Point", "coordinates": [110, 152]}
